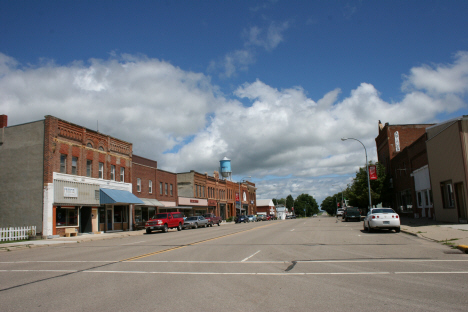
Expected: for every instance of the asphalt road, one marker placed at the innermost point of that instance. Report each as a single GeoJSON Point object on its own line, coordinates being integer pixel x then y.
{"type": "Point", "coordinates": [293, 265]}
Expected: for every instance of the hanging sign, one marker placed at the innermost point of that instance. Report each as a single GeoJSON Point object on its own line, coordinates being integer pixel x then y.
{"type": "Point", "coordinates": [372, 172]}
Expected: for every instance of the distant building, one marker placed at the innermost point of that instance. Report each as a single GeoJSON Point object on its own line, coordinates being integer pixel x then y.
{"type": "Point", "coordinates": [266, 206]}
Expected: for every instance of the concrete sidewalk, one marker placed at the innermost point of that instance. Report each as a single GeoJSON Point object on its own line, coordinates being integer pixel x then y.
{"type": "Point", "coordinates": [10, 246]}
{"type": "Point", "coordinates": [455, 235]}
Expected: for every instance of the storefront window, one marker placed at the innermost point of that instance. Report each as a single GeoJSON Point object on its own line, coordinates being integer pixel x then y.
{"type": "Point", "coordinates": [102, 215]}
{"type": "Point", "coordinates": [117, 214]}
{"type": "Point", "coordinates": [66, 216]}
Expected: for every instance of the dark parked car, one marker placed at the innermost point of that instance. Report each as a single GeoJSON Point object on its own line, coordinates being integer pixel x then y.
{"type": "Point", "coordinates": [352, 213]}
{"type": "Point", "coordinates": [242, 218]}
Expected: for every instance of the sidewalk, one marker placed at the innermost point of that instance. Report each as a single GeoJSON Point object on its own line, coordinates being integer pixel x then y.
{"type": "Point", "coordinates": [73, 239]}
{"type": "Point", "coordinates": [455, 235]}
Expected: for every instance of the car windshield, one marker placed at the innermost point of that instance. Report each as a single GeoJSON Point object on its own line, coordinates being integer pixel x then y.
{"type": "Point", "coordinates": [383, 210]}
{"type": "Point", "coordinates": [192, 218]}
{"type": "Point", "coordinates": [160, 216]}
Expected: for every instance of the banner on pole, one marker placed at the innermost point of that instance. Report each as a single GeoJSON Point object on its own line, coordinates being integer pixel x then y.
{"type": "Point", "coordinates": [372, 172]}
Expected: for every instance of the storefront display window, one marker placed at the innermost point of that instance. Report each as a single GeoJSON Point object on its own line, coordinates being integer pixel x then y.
{"type": "Point", "coordinates": [66, 216]}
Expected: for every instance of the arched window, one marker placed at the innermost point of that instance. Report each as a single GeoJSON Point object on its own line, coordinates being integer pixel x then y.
{"type": "Point", "coordinates": [101, 148]}
{"type": "Point", "coordinates": [89, 145]}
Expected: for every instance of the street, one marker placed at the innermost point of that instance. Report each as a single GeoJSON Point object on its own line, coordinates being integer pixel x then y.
{"type": "Point", "coordinates": [292, 265]}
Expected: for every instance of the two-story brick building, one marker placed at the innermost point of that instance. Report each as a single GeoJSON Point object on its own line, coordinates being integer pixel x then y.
{"type": "Point", "coordinates": [58, 175]}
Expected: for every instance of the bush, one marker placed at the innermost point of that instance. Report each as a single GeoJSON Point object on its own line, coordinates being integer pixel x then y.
{"type": "Point", "coordinates": [229, 219]}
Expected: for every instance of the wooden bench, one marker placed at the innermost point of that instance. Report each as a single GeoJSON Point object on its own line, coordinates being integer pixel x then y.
{"type": "Point", "coordinates": [70, 232]}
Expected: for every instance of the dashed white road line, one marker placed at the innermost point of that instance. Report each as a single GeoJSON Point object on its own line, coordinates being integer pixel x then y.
{"type": "Point", "coordinates": [250, 256]}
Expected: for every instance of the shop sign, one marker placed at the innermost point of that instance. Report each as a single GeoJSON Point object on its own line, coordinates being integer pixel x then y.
{"type": "Point", "coordinates": [70, 192]}
{"type": "Point", "coordinates": [194, 201]}
{"type": "Point", "coordinates": [212, 202]}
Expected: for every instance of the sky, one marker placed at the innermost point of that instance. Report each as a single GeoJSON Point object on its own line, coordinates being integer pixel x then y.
{"type": "Point", "coordinates": [272, 85]}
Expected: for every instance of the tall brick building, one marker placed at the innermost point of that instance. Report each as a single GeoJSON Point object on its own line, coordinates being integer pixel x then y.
{"type": "Point", "coordinates": [402, 150]}
{"type": "Point", "coordinates": [60, 176]}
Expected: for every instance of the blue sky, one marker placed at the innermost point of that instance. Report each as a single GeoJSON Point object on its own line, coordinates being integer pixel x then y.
{"type": "Point", "coordinates": [272, 85]}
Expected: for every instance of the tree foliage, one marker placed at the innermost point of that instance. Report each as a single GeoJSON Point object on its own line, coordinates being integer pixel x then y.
{"type": "Point", "coordinates": [358, 194]}
{"type": "Point", "coordinates": [305, 202]}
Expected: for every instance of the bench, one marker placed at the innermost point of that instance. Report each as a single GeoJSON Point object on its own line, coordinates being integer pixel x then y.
{"type": "Point", "coordinates": [70, 232]}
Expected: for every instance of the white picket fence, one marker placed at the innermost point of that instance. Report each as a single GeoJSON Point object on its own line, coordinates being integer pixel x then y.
{"type": "Point", "coordinates": [17, 233]}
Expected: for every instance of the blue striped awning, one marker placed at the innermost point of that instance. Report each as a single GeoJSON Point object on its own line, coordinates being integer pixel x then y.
{"type": "Point", "coordinates": [109, 196]}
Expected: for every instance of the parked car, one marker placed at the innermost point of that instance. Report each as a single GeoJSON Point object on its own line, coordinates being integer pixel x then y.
{"type": "Point", "coordinates": [195, 222]}
{"type": "Point", "coordinates": [212, 219]}
{"type": "Point", "coordinates": [165, 221]}
{"type": "Point", "coordinates": [252, 218]}
{"type": "Point", "coordinates": [352, 213]}
{"type": "Point", "coordinates": [315, 215]}
{"type": "Point", "coordinates": [382, 218]}
{"type": "Point", "coordinates": [339, 212]}
{"type": "Point", "coordinates": [242, 218]}
{"type": "Point", "coordinates": [261, 217]}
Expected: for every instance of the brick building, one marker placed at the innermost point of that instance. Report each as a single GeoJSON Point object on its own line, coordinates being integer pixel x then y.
{"type": "Point", "coordinates": [402, 150]}
{"type": "Point", "coordinates": [61, 176]}
{"type": "Point", "coordinates": [144, 186]}
{"type": "Point", "coordinates": [205, 194]}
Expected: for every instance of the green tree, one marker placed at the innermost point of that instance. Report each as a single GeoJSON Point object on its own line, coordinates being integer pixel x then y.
{"type": "Point", "coordinates": [307, 202]}
{"type": "Point", "coordinates": [289, 202]}
{"type": "Point", "coordinates": [329, 204]}
{"type": "Point", "coordinates": [280, 201]}
{"type": "Point", "coordinates": [358, 194]}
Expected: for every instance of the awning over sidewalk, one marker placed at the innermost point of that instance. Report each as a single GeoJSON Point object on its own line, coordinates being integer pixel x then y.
{"type": "Point", "coordinates": [151, 202]}
{"type": "Point", "coordinates": [110, 196]}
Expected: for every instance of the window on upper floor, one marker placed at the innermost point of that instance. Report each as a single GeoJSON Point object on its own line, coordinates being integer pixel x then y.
{"type": "Point", "coordinates": [138, 185]}
{"type": "Point", "coordinates": [165, 189]}
{"type": "Point", "coordinates": [150, 187]}
{"type": "Point", "coordinates": [171, 188]}
{"type": "Point", "coordinates": [89, 168]}
{"type": "Point", "coordinates": [112, 177]}
{"type": "Point", "coordinates": [101, 170]}
{"type": "Point", "coordinates": [74, 165]}
{"type": "Point", "coordinates": [122, 174]}
{"type": "Point", "coordinates": [63, 163]}
{"type": "Point", "coordinates": [160, 188]}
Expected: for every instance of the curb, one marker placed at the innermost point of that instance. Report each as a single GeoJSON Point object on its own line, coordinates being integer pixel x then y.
{"type": "Point", "coordinates": [463, 248]}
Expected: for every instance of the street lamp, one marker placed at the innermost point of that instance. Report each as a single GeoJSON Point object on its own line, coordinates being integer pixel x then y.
{"type": "Point", "coordinates": [367, 169]}
{"type": "Point", "coordinates": [240, 198]}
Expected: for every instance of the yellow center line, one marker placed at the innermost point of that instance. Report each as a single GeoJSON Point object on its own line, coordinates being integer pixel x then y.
{"type": "Point", "coordinates": [191, 244]}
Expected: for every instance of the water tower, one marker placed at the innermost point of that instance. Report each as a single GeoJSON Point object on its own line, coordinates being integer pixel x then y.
{"type": "Point", "coordinates": [225, 168]}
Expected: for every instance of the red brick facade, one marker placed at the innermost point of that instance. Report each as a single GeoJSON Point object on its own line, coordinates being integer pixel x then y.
{"type": "Point", "coordinates": [62, 137]}
{"type": "Point", "coordinates": [170, 179]}
{"type": "Point", "coordinates": [145, 170]}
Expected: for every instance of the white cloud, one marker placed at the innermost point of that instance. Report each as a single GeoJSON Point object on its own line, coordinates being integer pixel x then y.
{"type": "Point", "coordinates": [282, 138]}
{"type": "Point", "coordinates": [441, 79]}
{"type": "Point", "coordinates": [240, 60]}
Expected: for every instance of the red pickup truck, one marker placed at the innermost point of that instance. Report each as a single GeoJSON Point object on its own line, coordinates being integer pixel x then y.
{"type": "Point", "coordinates": [165, 221]}
{"type": "Point", "coordinates": [212, 219]}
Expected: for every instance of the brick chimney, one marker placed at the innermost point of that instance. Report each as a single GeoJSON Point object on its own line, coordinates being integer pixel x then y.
{"type": "Point", "coordinates": [3, 121]}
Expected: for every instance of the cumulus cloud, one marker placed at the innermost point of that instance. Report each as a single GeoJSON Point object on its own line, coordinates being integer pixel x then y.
{"type": "Point", "coordinates": [283, 139]}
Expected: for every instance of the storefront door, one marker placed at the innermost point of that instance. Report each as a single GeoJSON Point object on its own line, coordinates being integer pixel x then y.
{"type": "Point", "coordinates": [109, 218]}
{"type": "Point", "coordinates": [85, 220]}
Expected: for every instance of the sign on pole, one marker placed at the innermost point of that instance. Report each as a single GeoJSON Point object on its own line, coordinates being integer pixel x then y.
{"type": "Point", "coordinates": [372, 172]}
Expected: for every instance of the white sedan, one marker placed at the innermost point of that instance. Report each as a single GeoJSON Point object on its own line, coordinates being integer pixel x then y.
{"type": "Point", "coordinates": [382, 218]}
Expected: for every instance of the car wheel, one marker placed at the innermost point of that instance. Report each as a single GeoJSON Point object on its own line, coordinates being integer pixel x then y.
{"type": "Point", "coordinates": [195, 225]}
{"type": "Point", "coordinates": [219, 223]}
{"type": "Point", "coordinates": [211, 224]}
{"type": "Point", "coordinates": [165, 228]}
{"type": "Point", "coordinates": [179, 228]}
{"type": "Point", "coordinates": [397, 230]}
{"type": "Point", "coordinates": [346, 219]}
{"type": "Point", "coordinates": [148, 231]}
{"type": "Point", "coordinates": [369, 230]}
{"type": "Point", "coordinates": [364, 225]}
